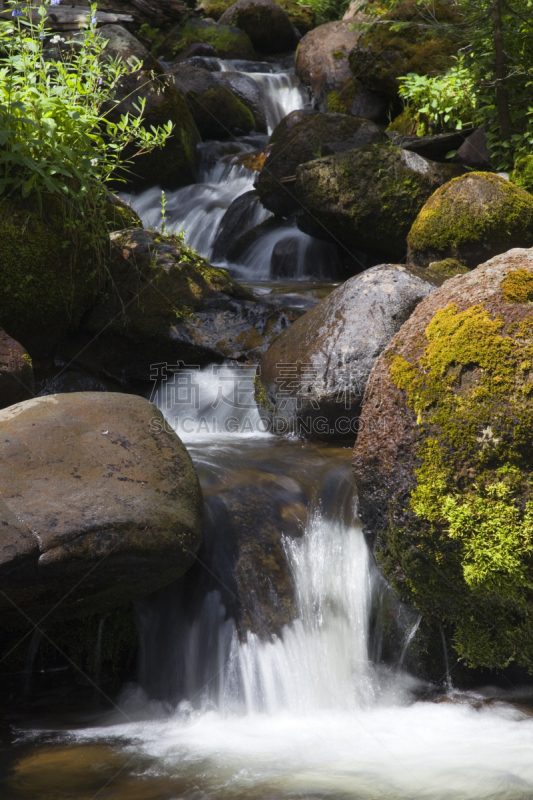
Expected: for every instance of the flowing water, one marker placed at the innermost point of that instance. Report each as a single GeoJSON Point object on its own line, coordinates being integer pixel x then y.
{"type": "Point", "coordinates": [234, 699]}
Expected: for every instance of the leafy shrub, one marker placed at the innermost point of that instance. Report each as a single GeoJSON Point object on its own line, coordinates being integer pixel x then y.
{"type": "Point", "coordinates": [54, 136]}
{"type": "Point", "coordinates": [445, 102]}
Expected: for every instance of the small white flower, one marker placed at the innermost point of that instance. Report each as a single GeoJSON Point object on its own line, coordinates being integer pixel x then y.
{"type": "Point", "coordinates": [94, 162]}
{"type": "Point", "coordinates": [56, 39]}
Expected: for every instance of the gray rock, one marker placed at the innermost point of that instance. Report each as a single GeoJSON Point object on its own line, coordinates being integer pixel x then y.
{"type": "Point", "coordinates": [314, 375]}
{"type": "Point", "coordinates": [98, 501]}
{"type": "Point", "coordinates": [475, 152]}
{"type": "Point", "coordinates": [248, 92]}
{"type": "Point", "coordinates": [123, 44]}
{"type": "Point", "coordinates": [369, 105]}
{"type": "Point", "coordinates": [368, 198]}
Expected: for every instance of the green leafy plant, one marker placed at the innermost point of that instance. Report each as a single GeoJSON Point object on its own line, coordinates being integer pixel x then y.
{"type": "Point", "coordinates": [55, 136]}
{"type": "Point", "coordinates": [445, 102]}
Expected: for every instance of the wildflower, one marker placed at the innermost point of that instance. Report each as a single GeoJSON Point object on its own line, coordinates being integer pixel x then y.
{"type": "Point", "coordinates": [56, 39]}
{"type": "Point", "coordinates": [17, 12]}
{"type": "Point", "coordinates": [55, 2]}
{"type": "Point", "coordinates": [94, 162]}
{"type": "Point", "coordinates": [100, 81]}
{"type": "Point", "coordinates": [94, 20]}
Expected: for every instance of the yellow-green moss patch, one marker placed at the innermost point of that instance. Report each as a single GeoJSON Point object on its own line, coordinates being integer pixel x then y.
{"type": "Point", "coordinates": [517, 286]}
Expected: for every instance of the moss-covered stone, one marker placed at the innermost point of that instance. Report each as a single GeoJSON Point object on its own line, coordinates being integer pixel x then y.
{"type": "Point", "coordinates": [522, 174]}
{"type": "Point", "coordinates": [369, 197]}
{"type": "Point", "coordinates": [302, 17]}
{"type": "Point", "coordinates": [454, 533]}
{"type": "Point", "coordinates": [266, 23]}
{"type": "Point", "coordinates": [448, 267]}
{"type": "Point", "coordinates": [472, 218]}
{"type": "Point", "coordinates": [227, 40]}
{"type": "Point", "coordinates": [218, 113]}
{"type": "Point", "coordinates": [339, 101]}
{"type": "Point", "coordinates": [49, 273]}
{"type": "Point", "coordinates": [401, 42]}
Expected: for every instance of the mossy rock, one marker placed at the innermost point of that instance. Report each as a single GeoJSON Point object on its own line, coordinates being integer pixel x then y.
{"type": "Point", "coordinates": [228, 41]}
{"type": "Point", "coordinates": [447, 268]}
{"type": "Point", "coordinates": [522, 174]}
{"type": "Point", "coordinates": [266, 23]}
{"type": "Point", "coordinates": [310, 137]}
{"type": "Point", "coordinates": [368, 197]}
{"type": "Point", "coordinates": [217, 112]}
{"type": "Point", "coordinates": [49, 274]}
{"type": "Point", "coordinates": [173, 164]}
{"type": "Point", "coordinates": [444, 463]}
{"type": "Point", "coordinates": [470, 219]}
{"type": "Point", "coordinates": [339, 100]}
{"type": "Point", "coordinates": [302, 17]}
{"type": "Point", "coordinates": [401, 42]}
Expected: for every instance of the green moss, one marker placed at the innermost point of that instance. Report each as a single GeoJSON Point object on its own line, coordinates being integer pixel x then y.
{"type": "Point", "coordinates": [517, 286]}
{"type": "Point", "coordinates": [401, 42]}
{"type": "Point", "coordinates": [477, 207]}
{"type": "Point", "coordinates": [227, 41]}
{"type": "Point", "coordinates": [339, 101]}
{"type": "Point", "coordinates": [468, 558]}
{"type": "Point", "coordinates": [410, 123]}
{"type": "Point", "coordinates": [260, 394]}
{"type": "Point", "coordinates": [522, 174]}
{"type": "Point", "coordinates": [147, 32]}
{"type": "Point", "coordinates": [448, 267]}
{"type": "Point", "coordinates": [218, 111]}
{"type": "Point", "coordinates": [338, 54]}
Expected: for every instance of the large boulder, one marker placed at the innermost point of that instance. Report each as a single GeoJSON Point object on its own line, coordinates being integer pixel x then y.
{"type": "Point", "coordinates": [312, 136]}
{"type": "Point", "coordinates": [226, 40]}
{"type": "Point", "coordinates": [302, 17]}
{"type": "Point", "coordinates": [217, 112]}
{"type": "Point", "coordinates": [471, 219]}
{"type": "Point", "coordinates": [266, 23]}
{"type": "Point", "coordinates": [443, 461]}
{"type": "Point", "coordinates": [99, 504]}
{"type": "Point", "coordinates": [16, 372]}
{"type": "Point", "coordinates": [314, 375]}
{"type": "Point", "coordinates": [170, 165]}
{"type": "Point", "coordinates": [243, 214]}
{"type": "Point", "coordinates": [406, 40]}
{"type": "Point", "coordinates": [369, 197]}
{"type": "Point", "coordinates": [322, 58]}
{"type": "Point", "coordinates": [249, 93]}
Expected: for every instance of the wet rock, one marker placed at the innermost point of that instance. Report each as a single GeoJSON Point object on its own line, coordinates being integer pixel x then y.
{"type": "Point", "coordinates": [302, 17]}
{"type": "Point", "coordinates": [369, 105]}
{"type": "Point", "coordinates": [217, 112]}
{"type": "Point", "coordinates": [475, 152]}
{"type": "Point", "coordinates": [227, 41]}
{"type": "Point", "coordinates": [202, 62]}
{"type": "Point", "coordinates": [322, 59]}
{"type": "Point", "coordinates": [173, 164]}
{"type": "Point", "coordinates": [240, 330]}
{"type": "Point", "coordinates": [154, 283]}
{"type": "Point", "coordinates": [312, 137]}
{"type": "Point", "coordinates": [443, 460]}
{"type": "Point", "coordinates": [382, 54]}
{"type": "Point", "coordinates": [92, 480]}
{"type": "Point", "coordinates": [368, 197]}
{"type": "Point", "coordinates": [200, 50]}
{"type": "Point", "coordinates": [470, 219]}
{"type": "Point", "coordinates": [239, 247]}
{"type": "Point", "coordinates": [314, 375]}
{"type": "Point", "coordinates": [67, 380]}
{"type": "Point", "coordinates": [240, 217]}
{"type": "Point", "coordinates": [288, 122]}
{"type": "Point", "coordinates": [248, 92]}
{"type": "Point", "coordinates": [16, 372]}
{"type": "Point", "coordinates": [266, 23]}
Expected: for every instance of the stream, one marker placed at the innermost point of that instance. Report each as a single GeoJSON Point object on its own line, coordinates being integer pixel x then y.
{"type": "Point", "coordinates": [240, 695]}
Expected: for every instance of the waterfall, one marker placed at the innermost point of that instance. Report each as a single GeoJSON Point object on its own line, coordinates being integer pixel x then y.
{"type": "Point", "coordinates": [282, 94]}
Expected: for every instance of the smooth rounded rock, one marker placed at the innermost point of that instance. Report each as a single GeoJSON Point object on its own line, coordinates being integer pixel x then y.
{"type": "Point", "coordinates": [99, 504]}
{"type": "Point", "coordinates": [266, 23]}
{"type": "Point", "coordinates": [314, 375]}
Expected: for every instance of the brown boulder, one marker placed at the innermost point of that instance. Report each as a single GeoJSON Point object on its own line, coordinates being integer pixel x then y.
{"type": "Point", "coordinates": [98, 502]}
{"type": "Point", "coordinates": [322, 57]}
